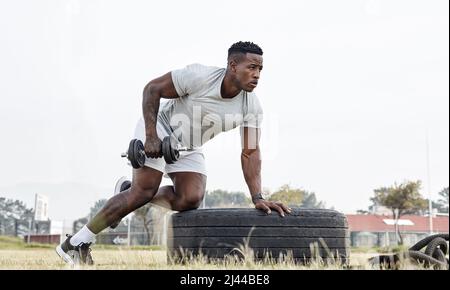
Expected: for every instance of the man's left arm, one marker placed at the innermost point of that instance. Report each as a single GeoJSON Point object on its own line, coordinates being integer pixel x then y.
{"type": "Point", "coordinates": [251, 167]}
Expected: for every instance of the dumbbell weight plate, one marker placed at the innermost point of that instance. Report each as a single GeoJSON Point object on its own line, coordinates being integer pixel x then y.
{"type": "Point", "coordinates": [139, 147]}
{"type": "Point", "coordinates": [174, 153]}
{"type": "Point", "coordinates": [166, 150]}
{"type": "Point", "coordinates": [135, 153]}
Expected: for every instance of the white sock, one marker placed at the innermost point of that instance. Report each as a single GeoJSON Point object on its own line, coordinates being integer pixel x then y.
{"type": "Point", "coordinates": [83, 236]}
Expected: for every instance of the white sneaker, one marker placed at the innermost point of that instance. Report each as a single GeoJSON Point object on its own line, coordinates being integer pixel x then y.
{"type": "Point", "coordinates": [121, 185]}
{"type": "Point", "coordinates": [72, 255]}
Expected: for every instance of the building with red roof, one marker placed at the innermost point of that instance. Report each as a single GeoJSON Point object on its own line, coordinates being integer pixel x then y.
{"type": "Point", "coordinates": [369, 230]}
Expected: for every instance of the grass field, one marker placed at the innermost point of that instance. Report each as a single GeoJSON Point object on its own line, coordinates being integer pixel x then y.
{"type": "Point", "coordinates": [14, 254]}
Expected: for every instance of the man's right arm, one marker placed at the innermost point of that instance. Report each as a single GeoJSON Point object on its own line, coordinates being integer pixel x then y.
{"type": "Point", "coordinates": [156, 89]}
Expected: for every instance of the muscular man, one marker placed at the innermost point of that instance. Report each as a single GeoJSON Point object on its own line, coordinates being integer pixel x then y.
{"type": "Point", "coordinates": [203, 102]}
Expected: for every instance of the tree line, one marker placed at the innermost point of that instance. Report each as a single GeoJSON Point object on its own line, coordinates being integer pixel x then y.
{"type": "Point", "coordinates": [400, 199]}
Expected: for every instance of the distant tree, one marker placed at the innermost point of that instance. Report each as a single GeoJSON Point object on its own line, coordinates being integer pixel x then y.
{"type": "Point", "coordinates": [4, 223]}
{"type": "Point", "coordinates": [401, 199]}
{"type": "Point", "coordinates": [143, 214]}
{"type": "Point", "coordinates": [289, 196]}
{"type": "Point", "coordinates": [99, 204]}
{"type": "Point", "coordinates": [310, 201]}
{"type": "Point", "coordinates": [14, 217]}
{"type": "Point", "coordinates": [79, 223]}
{"type": "Point", "coordinates": [377, 208]}
{"type": "Point", "coordinates": [296, 197]}
{"type": "Point", "coordinates": [442, 204]}
{"type": "Point", "coordinates": [223, 198]}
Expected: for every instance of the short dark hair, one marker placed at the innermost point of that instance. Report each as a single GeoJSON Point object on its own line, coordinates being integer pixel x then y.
{"type": "Point", "coordinates": [244, 47]}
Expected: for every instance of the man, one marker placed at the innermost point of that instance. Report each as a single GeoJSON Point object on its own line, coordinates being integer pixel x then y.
{"type": "Point", "coordinates": [203, 102]}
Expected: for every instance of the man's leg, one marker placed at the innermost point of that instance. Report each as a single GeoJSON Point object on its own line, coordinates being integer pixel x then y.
{"type": "Point", "coordinates": [186, 192]}
{"type": "Point", "coordinates": [144, 185]}
{"type": "Point", "coordinates": [121, 185]}
{"type": "Point", "coordinates": [143, 188]}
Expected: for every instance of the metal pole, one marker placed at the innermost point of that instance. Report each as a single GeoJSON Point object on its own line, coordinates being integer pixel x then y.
{"type": "Point", "coordinates": [29, 231]}
{"type": "Point", "coordinates": [430, 206]}
{"type": "Point", "coordinates": [164, 232]}
{"type": "Point", "coordinates": [129, 231]}
{"type": "Point", "coordinates": [204, 200]}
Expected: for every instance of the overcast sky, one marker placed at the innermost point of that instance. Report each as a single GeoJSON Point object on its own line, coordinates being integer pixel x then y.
{"type": "Point", "coordinates": [349, 90]}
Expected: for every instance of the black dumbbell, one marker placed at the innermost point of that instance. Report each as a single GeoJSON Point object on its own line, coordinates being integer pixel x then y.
{"type": "Point", "coordinates": [136, 152]}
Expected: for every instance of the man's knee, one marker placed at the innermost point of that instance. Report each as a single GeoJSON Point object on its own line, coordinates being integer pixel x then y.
{"type": "Point", "coordinates": [146, 193]}
{"type": "Point", "coordinates": [189, 189]}
{"type": "Point", "coordinates": [191, 200]}
{"type": "Point", "coordinates": [145, 183]}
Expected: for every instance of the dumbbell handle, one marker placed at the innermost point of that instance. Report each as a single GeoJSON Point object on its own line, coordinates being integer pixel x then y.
{"type": "Point", "coordinates": [125, 154]}
{"type": "Point", "coordinates": [142, 151]}
{"type": "Point", "coordinates": [184, 149]}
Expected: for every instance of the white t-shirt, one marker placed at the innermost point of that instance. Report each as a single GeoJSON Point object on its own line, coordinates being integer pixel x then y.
{"type": "Point", "coordinates": [201, 113]}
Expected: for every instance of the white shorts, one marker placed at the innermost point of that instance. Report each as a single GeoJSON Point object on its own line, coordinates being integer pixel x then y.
{"type": "Point", "coordinates": [192, 161]}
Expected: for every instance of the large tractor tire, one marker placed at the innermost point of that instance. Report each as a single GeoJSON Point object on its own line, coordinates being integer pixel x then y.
{"type": "Point", "coordinates": [218, 233]}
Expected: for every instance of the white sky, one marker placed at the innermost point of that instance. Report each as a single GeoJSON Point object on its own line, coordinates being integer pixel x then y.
{"type": "Point", "coordinates": [349, 89]}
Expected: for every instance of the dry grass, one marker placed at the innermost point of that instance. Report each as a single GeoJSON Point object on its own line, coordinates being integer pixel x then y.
{"type": "Point", "coordinates": [123, 258]}
{"type": "Point", "coordinates": [14, 254]}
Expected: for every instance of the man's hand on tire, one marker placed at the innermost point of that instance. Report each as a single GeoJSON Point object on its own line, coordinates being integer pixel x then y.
{"type": "Point", "coordinates": [267, 206]}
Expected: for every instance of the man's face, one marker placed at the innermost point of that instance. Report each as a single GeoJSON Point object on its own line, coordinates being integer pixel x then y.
{"type": "Point", "coordinates": [247, 71]}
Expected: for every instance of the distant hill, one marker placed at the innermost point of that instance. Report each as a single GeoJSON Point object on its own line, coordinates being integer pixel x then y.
{"type": "Point", "coordinates": [67, 201]}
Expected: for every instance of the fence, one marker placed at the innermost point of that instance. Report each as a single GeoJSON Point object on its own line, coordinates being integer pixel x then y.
{"type": "Point", "coordinates": [42, 239]}
{"type": "Point", "coordinates": [131, 239]}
